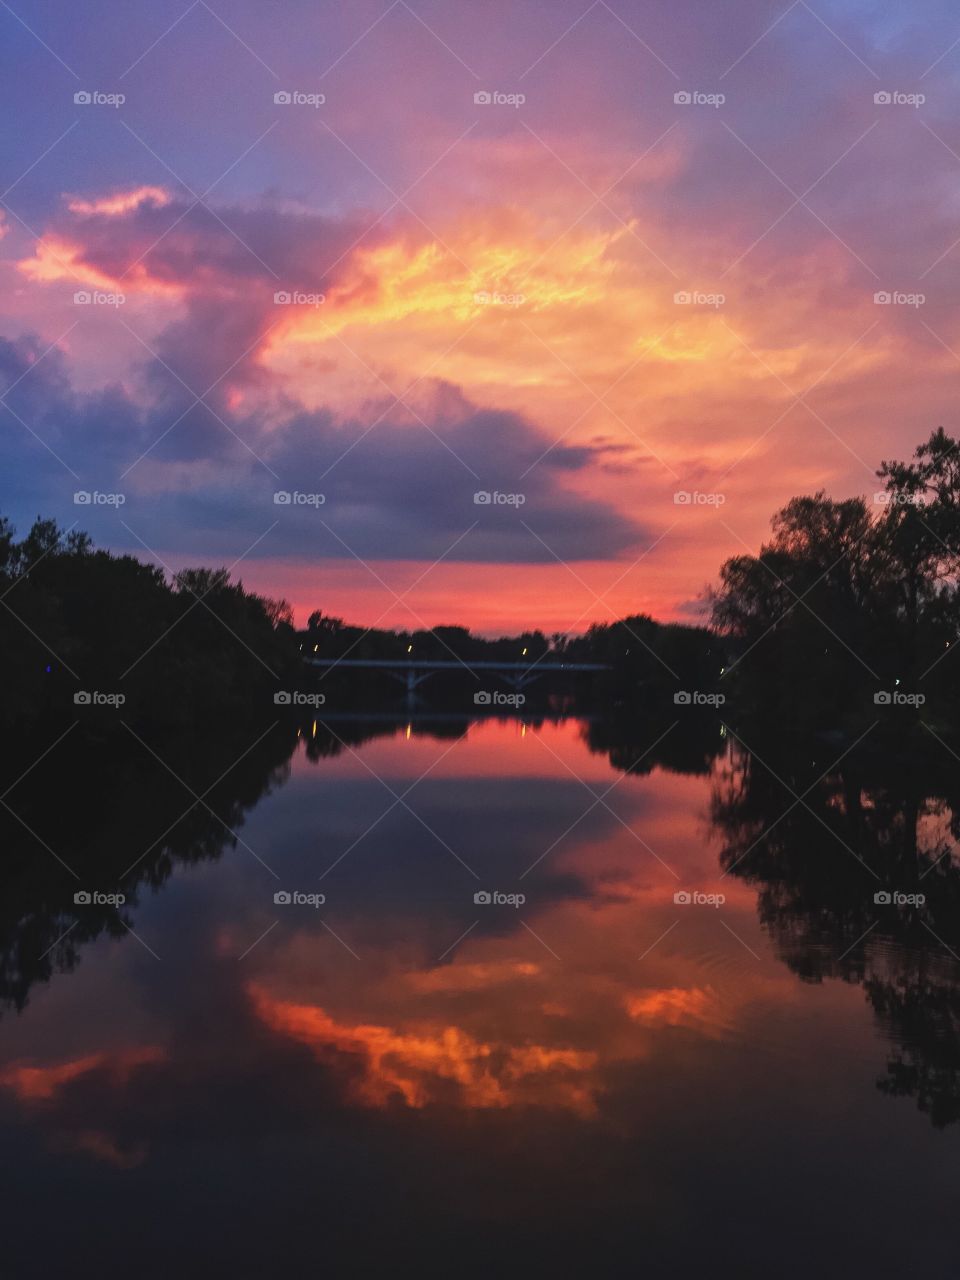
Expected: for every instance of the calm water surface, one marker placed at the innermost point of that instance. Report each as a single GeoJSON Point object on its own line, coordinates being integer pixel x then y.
{"type": "Point", "coordinates": [596, 1080]}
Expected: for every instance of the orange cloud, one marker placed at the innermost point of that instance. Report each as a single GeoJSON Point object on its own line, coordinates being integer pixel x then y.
{"type": "Point", "coordinates": [420, 1067]}
{"type": "Point", "coordinates": [57, 257]}
{"type": "Point", "coordinates": [672, 1006]}
{"type": "Point", "coordinates": [472, 977]}
{"type": "Point", "coordinates": [121, 202]}
{"type": "Point", "coordinates": [42, 1084]}
{"type": "Point", "coordinates": [566, 314]}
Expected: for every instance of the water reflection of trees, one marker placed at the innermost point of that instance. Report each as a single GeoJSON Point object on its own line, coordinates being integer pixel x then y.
{"type": "Point", "coordinates": [880, 821]}
{"type": "Point", "coordinates": [325, 738]}
{"type": "Point", "coordinates": [121, 821]}
{"type": "Point", "coordinates": [638, 743]}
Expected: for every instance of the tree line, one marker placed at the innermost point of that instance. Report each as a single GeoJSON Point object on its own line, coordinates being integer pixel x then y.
{"type": "Point", "coordinates": [851, 604]}
{"type": "Point", "coordinates": [82, 623]}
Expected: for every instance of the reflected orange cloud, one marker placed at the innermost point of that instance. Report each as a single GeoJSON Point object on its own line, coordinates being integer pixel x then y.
{"type": "Point", "coordinates": [673, 1007]}
{"type": "Point", "coordinates": [421, 1067]}
{"type": "Point", "coordinates": [43, 1087]}
{"type": "Point", "coordinates": [101, 1146]}
{"type": "Point", "coordinates": [42, 1084]}
{"type": "Point", "coordinates": [472, 977]}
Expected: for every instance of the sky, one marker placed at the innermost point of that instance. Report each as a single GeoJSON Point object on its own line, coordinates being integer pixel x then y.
{"type": "Point", "coordinates": [295, 288]}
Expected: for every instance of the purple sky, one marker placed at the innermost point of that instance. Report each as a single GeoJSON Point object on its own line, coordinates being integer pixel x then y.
{"type": "Point", "coordinates": [487, 296]}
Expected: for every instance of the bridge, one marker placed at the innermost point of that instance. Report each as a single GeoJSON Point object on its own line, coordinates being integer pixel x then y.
{"type": "Point", "coordinates": [413, 671]}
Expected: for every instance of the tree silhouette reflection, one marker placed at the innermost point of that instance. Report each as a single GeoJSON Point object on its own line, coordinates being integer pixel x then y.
{"type": "Point", "coordinates": [857, 880]}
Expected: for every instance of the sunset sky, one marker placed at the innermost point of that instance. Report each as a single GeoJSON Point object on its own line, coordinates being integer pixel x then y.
{"type": "Point", "coordinates": [484, 294]}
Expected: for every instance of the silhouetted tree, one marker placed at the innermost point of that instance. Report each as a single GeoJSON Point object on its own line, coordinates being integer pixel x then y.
{"type": "Point", "coordinates": [845, 600]}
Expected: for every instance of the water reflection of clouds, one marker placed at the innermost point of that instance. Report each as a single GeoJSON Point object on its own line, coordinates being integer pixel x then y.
{"type": "Point", "coordinates": [351, 1075]}
{"type": "Point", "coordinates": [439, 1063]}
{"type": "Point", "coordinates": [498, 1022]}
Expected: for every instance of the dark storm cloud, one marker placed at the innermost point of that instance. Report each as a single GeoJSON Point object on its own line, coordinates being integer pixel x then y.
{"type": "Point", "coordinates": [404, 488]}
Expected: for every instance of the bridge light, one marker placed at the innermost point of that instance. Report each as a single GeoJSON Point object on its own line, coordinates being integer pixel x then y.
{"type": "Point", "coordinates": [315, 648]}
{"type": "Point", "coordinates": [409, 648]}
{"type": "Point", "coordinates": [524, 654]}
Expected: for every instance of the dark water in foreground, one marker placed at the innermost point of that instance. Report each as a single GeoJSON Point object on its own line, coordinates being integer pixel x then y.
{"type": "Point", "coordinates": [600, 1080]}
